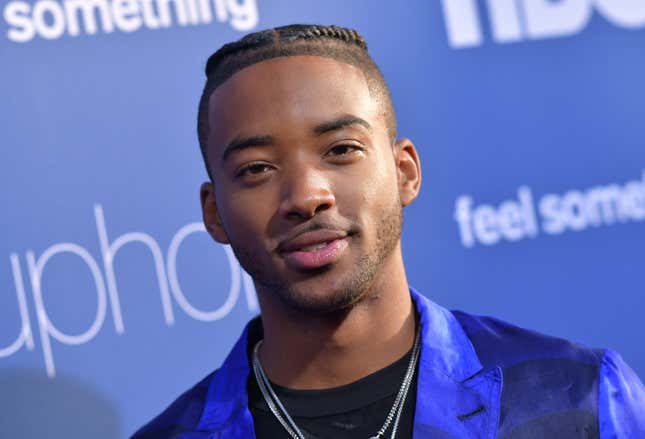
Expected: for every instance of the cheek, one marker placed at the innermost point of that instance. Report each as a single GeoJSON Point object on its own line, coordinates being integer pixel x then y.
{"type": "Point", "coordinates": [243, 215]}
{"type": "Point", "coordinates": [383, 185]}
{"type": "Point", "coordinates": [371, 192]}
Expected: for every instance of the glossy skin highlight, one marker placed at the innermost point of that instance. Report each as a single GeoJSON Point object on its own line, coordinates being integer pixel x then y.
{"type": "Point", "coordinates": [308, 190]}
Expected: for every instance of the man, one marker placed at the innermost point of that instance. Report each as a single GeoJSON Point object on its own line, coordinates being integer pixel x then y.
{"type": "Point", "coordinates": [308, 182]}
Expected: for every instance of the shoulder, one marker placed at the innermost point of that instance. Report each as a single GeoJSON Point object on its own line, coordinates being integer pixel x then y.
{"type": "Point", "coordinates": [224, 390]}
{"type": "Point", "coordinates": [550, 382]}
{"type": "Point", "coordinates": [501, 344]}
{"type": "Point", "coordinates": [180, 416]}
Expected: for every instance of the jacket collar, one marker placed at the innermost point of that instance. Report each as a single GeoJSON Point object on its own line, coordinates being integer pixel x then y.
{"type": "Point", "coordinates": [445, 346]}
{"type": "Point", "coordinates": [454, 395]}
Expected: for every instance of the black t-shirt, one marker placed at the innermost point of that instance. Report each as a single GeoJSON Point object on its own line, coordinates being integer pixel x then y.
{"type": "Point", "coordinates": [357, 410]}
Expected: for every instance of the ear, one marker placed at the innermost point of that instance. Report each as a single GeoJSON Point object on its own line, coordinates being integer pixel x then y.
{"type": "Point", "coordinates": [210, 213]}
{"type": "Point", "coordinates": [409, 170]}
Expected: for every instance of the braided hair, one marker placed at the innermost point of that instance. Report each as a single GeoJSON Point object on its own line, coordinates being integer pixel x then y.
{"type": "Point", "coordinates": [342, 44]}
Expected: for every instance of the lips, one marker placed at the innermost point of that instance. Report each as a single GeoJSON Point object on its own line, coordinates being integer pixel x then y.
{"type": "Point", "coordinates": [314, 249]}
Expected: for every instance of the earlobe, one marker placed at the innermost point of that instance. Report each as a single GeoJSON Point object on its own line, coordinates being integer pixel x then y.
{"type": "Point", "coordinates": [210, 213]}
{"type": "Point", "coordinates": [409, 170]}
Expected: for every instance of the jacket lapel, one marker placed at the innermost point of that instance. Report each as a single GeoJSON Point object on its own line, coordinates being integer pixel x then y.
{"type": "Point", "coordinates": [226, 412]}
{"type": "Point", "coordinates": [455, 396]}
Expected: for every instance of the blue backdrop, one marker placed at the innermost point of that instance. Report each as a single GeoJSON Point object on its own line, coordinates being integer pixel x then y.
{"type": "Point", "coordinates": [528, 115]}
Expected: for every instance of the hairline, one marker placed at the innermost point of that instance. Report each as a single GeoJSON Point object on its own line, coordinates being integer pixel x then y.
{"type": "Point", "coordinates": [361, 60]}
{"type": "Point", "coordinates": [372, 88]}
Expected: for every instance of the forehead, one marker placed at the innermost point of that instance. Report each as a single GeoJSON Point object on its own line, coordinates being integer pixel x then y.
{"type": "Point", "coordinates": [288, 93]}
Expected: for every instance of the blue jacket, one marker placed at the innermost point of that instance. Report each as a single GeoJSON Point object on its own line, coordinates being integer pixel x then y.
{"type": "Point", "coordinates": [478, 378]}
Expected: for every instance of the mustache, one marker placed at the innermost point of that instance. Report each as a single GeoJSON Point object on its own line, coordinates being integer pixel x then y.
{"type": "Point", "coordinates": [314, 225]}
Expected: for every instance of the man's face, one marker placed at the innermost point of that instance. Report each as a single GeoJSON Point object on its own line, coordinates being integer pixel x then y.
{"type": "Point", "coordinates": [306, 186]}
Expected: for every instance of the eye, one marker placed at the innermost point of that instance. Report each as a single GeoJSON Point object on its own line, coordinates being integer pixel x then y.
{"type": "Point", "coordinates": [253, 170]}
{"type": "Point", "coordinates": [344, 150]}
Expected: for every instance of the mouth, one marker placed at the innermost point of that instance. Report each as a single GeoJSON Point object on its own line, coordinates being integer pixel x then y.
{"type": "Point", "coordinates": [315, 249]}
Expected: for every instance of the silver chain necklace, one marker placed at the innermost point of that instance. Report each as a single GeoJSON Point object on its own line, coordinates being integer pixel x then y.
{"type": "Point", "coordinates": [281, 414]}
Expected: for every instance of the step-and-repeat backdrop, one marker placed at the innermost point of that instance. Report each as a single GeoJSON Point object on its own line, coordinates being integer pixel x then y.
{"type": "Point", "coordinates": [529, 116]}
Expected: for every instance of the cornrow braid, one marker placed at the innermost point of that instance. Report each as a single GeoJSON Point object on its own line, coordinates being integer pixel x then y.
{"type": "Point", "coordinates": [339, 43]}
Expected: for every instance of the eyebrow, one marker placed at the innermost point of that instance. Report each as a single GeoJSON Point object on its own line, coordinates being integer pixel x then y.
{"type": "Point", "coordinates": [339, 123]}
{"type": "Point", "coordinates": [240, 143]}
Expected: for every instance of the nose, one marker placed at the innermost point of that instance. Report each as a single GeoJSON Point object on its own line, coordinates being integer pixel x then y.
{"type": "Point", "coordinates": [305, 193]}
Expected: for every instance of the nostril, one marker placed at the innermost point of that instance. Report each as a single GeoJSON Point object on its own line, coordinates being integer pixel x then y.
{"type": "Point", "coordinates": [305, 207]}
{"type": "Point", "coordinates": [322, 207]}
{"type": "Point", "coordinates": [307, 211]}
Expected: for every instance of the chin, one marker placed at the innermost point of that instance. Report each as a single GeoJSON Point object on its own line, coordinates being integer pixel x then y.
{"type": "Point", "coordinates": [327, 293]}
{"type": "Point", "coordinates": [326, 302]}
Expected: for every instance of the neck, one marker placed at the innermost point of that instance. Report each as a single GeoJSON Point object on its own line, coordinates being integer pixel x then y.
{"type": "Point", "coordinates": [322, 351]}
